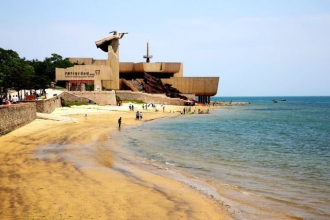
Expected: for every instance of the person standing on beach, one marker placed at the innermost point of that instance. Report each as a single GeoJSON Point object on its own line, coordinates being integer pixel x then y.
{"type": "Point", "coordinates": [14, 100]}
{"type": "Point", "coordinates": [119, 122]}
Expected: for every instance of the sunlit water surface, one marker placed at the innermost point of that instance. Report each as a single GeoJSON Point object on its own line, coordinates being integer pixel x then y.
{"type": "Point", "coordinates": [270, 157]}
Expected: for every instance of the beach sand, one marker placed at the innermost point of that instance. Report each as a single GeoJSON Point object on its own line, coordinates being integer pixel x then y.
{"type": "Point", "coordinates": [57, 167]}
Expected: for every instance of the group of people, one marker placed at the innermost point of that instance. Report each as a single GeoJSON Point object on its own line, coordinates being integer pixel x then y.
{"type": "Point", "coordinates": [13, 100]}
{"type": "Point", "coordinates": [131, 107]}
{"type": "Point", "coordinates": [202, 112]}
{"type": "Point", "coordinates": [187, 110]}
{"type": "Point", "coordinates": [145, 106]}
{"type": "Point", "coordinates": [138, 115]}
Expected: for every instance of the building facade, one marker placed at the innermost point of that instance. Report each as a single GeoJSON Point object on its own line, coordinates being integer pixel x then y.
{"type": "Point", "coordinates": [110, 74]}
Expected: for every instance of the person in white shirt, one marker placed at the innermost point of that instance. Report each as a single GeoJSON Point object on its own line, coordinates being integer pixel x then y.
{"type": "Point", "coordinates": [15, 99]}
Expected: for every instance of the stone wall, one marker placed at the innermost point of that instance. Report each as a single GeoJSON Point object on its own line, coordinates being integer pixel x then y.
{"type": "Point", "coordinates": [68, 96]}
{"type": "Point", "coordinates": [16, 115]}
{"type": "Point", "coordinates": [109, 97]}
{"type": "Point", "coordinates": [45, 105]}
{"type": "Point", "coordinates": [98, 97]}
{"type": "Point", "coordinates": [48, 105]}
{"type": "Point", "coordinates": [149, 98]}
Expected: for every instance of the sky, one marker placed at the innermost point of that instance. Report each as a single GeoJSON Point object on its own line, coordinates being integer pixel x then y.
{"type": "Point", "coordinates": [256, 47]}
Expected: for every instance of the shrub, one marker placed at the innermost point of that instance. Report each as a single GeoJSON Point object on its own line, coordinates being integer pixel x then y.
{"type": "Point", "coordinates": [134, 101]}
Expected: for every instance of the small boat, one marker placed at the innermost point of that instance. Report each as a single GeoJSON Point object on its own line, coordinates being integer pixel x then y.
{"type": "Point", "coordinates": [275, 101]}
{"type": "Point", "coordinates": [283, 100]}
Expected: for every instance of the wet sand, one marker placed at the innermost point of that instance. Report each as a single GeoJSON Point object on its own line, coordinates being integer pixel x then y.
{"type": "Point", "coordinates": [59, 168]}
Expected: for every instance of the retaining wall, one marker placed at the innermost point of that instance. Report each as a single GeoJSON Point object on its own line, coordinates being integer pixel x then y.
{"type": "Point", "coordinates": [16, 115]}
{"type": "Point", "coordinates": [48, 105]}
{"type": "Point", "coordinates": [98, 97]}
{"type": "Point", "coordinates": [45, 105]}
{"type": "Point", "coordinates": [149, 98]}
{"type": "Point", "coordinates": [73, 97]}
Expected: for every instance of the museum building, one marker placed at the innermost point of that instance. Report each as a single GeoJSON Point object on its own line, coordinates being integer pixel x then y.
{"type": "Point", "coordinates": [110, 74]}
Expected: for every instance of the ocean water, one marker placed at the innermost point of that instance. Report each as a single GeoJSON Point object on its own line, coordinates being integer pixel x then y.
{"type": "Point", "coordinates": [271, 160]}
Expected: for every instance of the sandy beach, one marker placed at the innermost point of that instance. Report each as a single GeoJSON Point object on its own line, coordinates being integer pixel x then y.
{"type": "Point", "coordinates": [58, 167]}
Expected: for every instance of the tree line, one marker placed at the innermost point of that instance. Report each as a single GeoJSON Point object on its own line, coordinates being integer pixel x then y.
{"type": "Point", "coordinates": [20, 74]}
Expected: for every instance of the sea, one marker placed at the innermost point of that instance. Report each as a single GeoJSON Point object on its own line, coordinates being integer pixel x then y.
{"type": "Point", "coordinates": [265, 159]}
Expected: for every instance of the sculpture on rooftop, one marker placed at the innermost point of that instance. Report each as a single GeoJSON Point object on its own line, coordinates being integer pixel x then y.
{"type": "Point", "coordinates": [105, 42]}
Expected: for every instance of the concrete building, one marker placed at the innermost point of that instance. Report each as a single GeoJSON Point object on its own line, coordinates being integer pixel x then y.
{"type": "Point", "coordinates": [110, 74]}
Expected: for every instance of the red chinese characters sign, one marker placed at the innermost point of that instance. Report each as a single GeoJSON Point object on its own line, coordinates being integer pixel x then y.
{"type": "Point", "coordinates": [81, 81]}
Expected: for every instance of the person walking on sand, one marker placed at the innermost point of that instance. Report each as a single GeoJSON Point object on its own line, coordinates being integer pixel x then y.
{"type": "Point", "coordinates": [119, 122]}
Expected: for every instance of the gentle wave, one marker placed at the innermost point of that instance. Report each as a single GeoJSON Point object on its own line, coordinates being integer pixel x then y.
{"type": "Point", "coordinates": [273, 155]}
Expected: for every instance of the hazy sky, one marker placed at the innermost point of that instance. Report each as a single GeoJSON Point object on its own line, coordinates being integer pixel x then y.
{"type": "Point", "coordinates": [256, 47]}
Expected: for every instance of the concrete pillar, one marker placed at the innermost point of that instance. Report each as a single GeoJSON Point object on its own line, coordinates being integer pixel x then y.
{"type": "Point", "coordinates": [204, 99]}
{"type": "Point", "coordinates": [97, 85]}
{"type": "Point", "coordinates": [113, 58]}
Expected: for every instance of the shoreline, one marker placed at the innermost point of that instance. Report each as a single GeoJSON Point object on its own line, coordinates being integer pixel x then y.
{"type": "Point", "coordinates": [59, 169]}
{"type": "Point", "coordinates": [203, 187]}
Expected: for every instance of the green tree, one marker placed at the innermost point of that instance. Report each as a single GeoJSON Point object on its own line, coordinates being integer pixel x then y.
{"type": "Point", "coordinates": [5, 67]}
{"type": "Point", "coordinates": [45, 70]}
{"type": "Point", "coordinates": [15, 72]}
{"type": "Point", "coordinates": [22, 75]}
{"type": "Point", "coordinates": [56, 61]}
{"type": "Point", "coordinates": [41, 80]}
